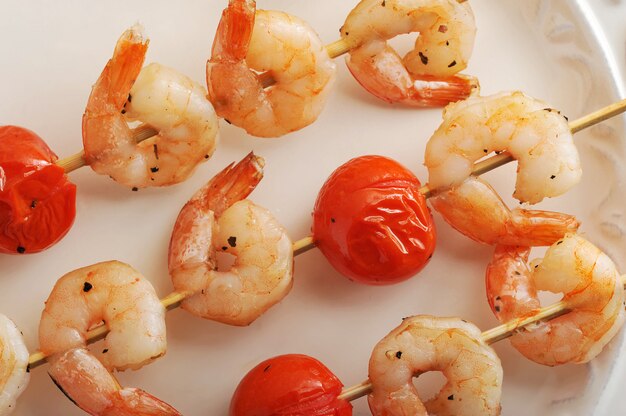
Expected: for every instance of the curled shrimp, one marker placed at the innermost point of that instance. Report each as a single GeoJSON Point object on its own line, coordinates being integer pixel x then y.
{"type": "Point", "coordinates": [592, 288]}
{"type": "Point", "coordinates": [477, 211]}
{"type": "Point", "coordinates": [428, 74]}
{"type": "Point", "coordinates": [535, 134]}
{"type": "Point", "coordinates": [161, 98]}
{"type": "Point", "coordinates": [285, 46]}
{"type": "Point", "coordinates": [426, 343]}
{"type": "Point", "coordinates": [218, 219]}
{"type": "Point", "coordinates": [14, 357]}
{"type": "Point", "coordinates": [114, 293]}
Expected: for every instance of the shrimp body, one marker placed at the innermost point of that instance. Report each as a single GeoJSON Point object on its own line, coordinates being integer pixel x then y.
{"type": "Point", "coordinates": [536, 135]}
{"type": "Point", "coordinates": [477, 211]}
{"type": "Point", "coordinates": [592, 288]}
{"type": "Point", "coordinates": [13, 365]}
{"type": "Point", "coordinates": [283, 45]}
{"type": "Point", "coordinates": [114, 293]}
{"type": "Point", "coordinates": [218, 219]}
{"type": "Point", "coordinates": [425, 343]}
{"type": "Point", "coordinates": [161, 98]}
{"type": "Point", "coordinates": [426, 76]}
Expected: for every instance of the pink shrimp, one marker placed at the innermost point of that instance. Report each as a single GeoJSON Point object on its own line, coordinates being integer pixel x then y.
{"type": "Point", "coordinates": [164, 100]}
{"type": "Point", "coordinates": [426, 343]}
{"type": "Point", "coordinates": [427, 75]}
{"type": "Point", "coordinates": [592, 287]}
{"type": "Point", "coordinates": [120, 296]}
{"type": "Point", "coordinates": [218, 219]}
{"type": "Point", "coordinates": [248, 42]}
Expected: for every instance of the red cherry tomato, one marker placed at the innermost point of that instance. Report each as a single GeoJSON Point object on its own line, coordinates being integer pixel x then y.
{"type": "Point", "coordinates": [372, 223]}
{"type": "Point", "coordinates": [289, 385]}
{"type": "Point", "coordinates": [37, 201]}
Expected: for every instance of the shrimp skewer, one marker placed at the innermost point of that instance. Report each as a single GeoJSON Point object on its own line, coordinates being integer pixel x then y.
{"type": "Point", "coordinates": [501, 332]}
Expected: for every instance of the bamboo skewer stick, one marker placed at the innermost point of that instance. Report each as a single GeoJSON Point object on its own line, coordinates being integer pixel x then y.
{"type": "Point", "coordinates": [490, 336]}
{"type": "Point", "coordinates": [173, 300]}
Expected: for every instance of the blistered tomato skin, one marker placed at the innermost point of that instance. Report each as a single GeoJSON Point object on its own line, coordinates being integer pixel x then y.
{"type": "Point", "coordinates": [372, 223]}
{"type": "Point", "coordinates": [37, 201]}
{"type": "Point", "coordinates": [289, 385]}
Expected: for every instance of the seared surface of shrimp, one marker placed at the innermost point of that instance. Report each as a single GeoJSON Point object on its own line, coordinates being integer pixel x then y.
{"type": "Point", "coordinates": [426, 343]}
{"type": "Point", "coordinates": [246, 43]}
{"type": "Point", "coordinates": [218, 219]}
{"type": "Point", "coordinates": [163, 99]}
{"type": "Point", "coordinates": [116, 294]}
{"type": "Point", "coordinates": [477, 211]}
{"type": "Point", "coordinates": [535, 134]}
{"type": "Point", "coordinates": [426, 76]}
{"type": "Point", "coordinates": [591, 286]}
{"type": "Point", "coordinates": [13, 365]}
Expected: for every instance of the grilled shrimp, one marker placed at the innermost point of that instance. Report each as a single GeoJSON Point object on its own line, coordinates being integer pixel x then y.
{"type": "Point", "coordinates": [425, 343]}
{"type": "Point", "coordinates": [161, 98]}
{"type": "Point", "coordinates": [535, 134]}
{"type": "Point", "coordinates": [219, 219]}
{"type": "Point", "coordinates": [248, 42]}
{"type": "Point", "coordinates": [14, 356]}
{"type": "Point", "coordinates": [428, 74]}
{"type": "Point", "coordinates": [116, 294]}
{"type": "Point", "coordinates": [593, 290]}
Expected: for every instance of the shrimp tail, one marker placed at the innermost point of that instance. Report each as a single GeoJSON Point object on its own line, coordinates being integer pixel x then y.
{"type": "Point", "coordinates": [543, 228]}
{"type": "Point", "coordinates": [384, 76]}
{"type": "Point", "coordinates": [431, 91]}
{"type": "Point", "coordinates": [510, 291]}
{"type": "Point", "coordinates": [119, 74]}
{"type": "Point", "coordinates": [232, 184]}
{"type": "Point", "coordinates": [234, 31]}
{"type": "Point", "coordinates": [136, 402]}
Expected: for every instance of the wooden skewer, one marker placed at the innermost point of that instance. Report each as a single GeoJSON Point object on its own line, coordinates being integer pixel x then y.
{"type": "Point", "coordinates": [305, 244]}
{"type": "Point", "coordinates": [490, 336]}
{"type": "Point", "coordinates": [173, 300]}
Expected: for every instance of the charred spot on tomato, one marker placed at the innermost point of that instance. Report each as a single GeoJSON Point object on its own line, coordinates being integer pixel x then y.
{"type": "Point", "coordinates": [104, 351]}
{"type": "Point", "coordinates": [33, 204]}
{"type": "Point", "coordinates": [21, 249]}
{"type": "Point", "coordinates": [87, 287]}
{"type": "Point", "coordinates": [232, 241]}
{"type": "Point", "coordinates": [267, 368]}
{"type": "Point", "coordinates": [372, 223]}
{"type": "Point", "coordinates": [399, 354]}
{"type": "Point", "coordinates": [154, 169]}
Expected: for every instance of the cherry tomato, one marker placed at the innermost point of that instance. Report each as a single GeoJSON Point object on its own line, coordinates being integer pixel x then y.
{"type": "Point", "coordinates": [372, 223]}
{"type": "Point", "coordinates": [37, 201]}
{"type": "Point", "coordinates": [289, 385]}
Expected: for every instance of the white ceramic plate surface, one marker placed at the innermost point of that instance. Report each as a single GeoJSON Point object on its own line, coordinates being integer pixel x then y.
{"type": "Point", "coordinates": [52, 52]}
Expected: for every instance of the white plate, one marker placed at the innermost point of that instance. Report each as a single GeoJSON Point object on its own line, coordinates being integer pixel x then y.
{"type": "Point", "coordinates": [53, 51]}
